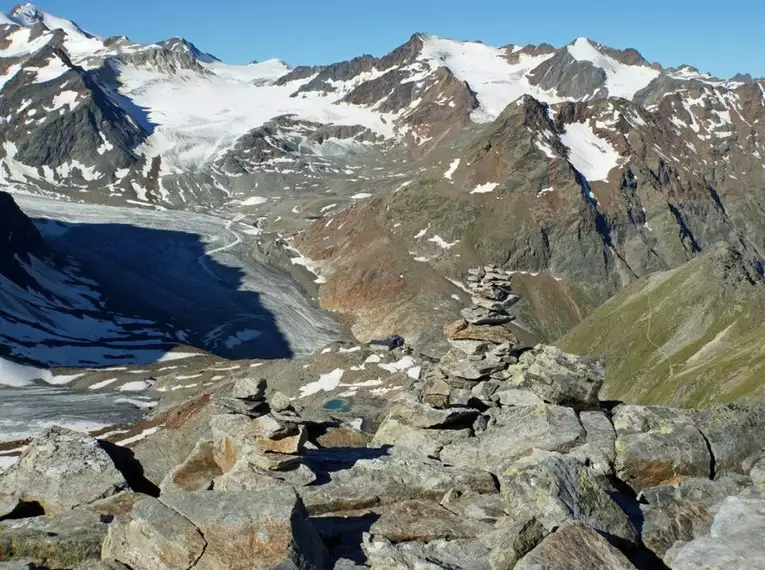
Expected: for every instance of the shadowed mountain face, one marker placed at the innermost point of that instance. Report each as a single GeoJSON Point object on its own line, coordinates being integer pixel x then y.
{"type": "Point", "coordinates": [103, 293]}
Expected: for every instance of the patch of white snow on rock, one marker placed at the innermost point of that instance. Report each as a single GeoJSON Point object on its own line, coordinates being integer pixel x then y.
{"type": "Point", "coordinates": [591, 155]}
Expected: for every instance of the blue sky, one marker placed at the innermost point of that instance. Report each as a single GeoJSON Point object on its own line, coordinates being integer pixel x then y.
{"type": "Point", "coordinates": [720, 37]}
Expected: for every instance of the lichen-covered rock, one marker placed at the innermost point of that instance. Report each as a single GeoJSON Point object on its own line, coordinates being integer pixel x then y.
{"type": "Point", "coordinates": [514, 432]}
{"type": "Point", "coordinates": [555, 488]}
{"type": "Point", "coordinates": [62, 540]}
{"type": "Point", "coordinates": [61, 469]}
{"type": "Point", "coordinates": [416, 414]}
{"type": "Point", "coordinates": [559, 378]}
{"type": "Point", "coordinates": [655, 444]}
{"type": "Point", "coordinates": [683, 510]}
{"type": "Point", "coordinates": [217, 531]}
{"type": "Point", "coordinates": [735, 434]}
{"type": "Point", "coordinates": [423, 521]}
{"type": "Point", "coordinates": [382, 554]}
{"type": "Point", "coordinates": [574, 546]}
{"type": "Point", "coordinates": [735, 539]}
{"type": "Point", "coordinates": [396, 475]}
{"type": "Point", "coordinates": [512, 538]}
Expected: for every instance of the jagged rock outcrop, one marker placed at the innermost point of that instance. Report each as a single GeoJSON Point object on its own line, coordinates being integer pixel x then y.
{"type": "Point", "coordinates": [62, 469]}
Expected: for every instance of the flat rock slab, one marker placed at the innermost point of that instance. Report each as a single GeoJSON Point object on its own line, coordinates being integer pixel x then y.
{"type": "Point", "coordinates": [574, 546]}
{"type": "Point", "coordinates": [428, 442]}
{"type": "Point", "coordinates": [63, 540]}
{"type": "Point", "coordinates": [655, 444]}
{"type": "Point", "coordinates": [395, 475]}
{"type": "Point", "coordinates": [217, 531]}
{"type": "Point", "coordinates": [423, 521]}
{"type": "Point", "coordinates": [735, 434]}
{"type": "Point", "coordinates": [735, 540]}
{"type": "Point", "coordinates": [62, 469]}
{"type": "Point", "coordinates": [383, 554]}
{"type": "Point", "coordinates": [514, 432]}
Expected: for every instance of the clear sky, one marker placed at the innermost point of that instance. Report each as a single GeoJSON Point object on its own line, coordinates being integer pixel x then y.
{"type": "Point", "coordinates": [720, 37]}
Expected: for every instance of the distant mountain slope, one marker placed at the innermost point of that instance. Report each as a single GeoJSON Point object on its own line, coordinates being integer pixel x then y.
{"type": "Point", "coordinates": [693, 336]}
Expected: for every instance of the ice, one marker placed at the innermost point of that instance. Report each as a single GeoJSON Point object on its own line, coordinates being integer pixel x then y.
{"type": "Point", "coordinates": [592, 156]}
{"type": "Point", "coordinates": [326, 383]}
{"type": "Point", "coordinates": [361, 196]}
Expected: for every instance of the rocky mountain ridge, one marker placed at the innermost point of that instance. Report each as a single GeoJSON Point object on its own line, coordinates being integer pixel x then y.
{"type": "Point", "coordinates": [494, 457]}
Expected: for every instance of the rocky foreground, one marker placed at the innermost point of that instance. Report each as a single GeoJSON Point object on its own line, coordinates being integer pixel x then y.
{"type": "Point", "coordinates": [494, 458]}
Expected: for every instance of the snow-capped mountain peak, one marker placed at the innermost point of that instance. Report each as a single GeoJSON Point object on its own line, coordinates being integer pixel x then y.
{"type": "Point", "coordinates": [27, 15]}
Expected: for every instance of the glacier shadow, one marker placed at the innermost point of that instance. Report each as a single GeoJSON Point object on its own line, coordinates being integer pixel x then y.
{"type": "Point", "coordinates": [165, 277]}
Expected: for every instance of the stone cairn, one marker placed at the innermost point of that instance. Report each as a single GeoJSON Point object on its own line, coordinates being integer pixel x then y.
{"type": "Point", "coordinates": [482, 347]}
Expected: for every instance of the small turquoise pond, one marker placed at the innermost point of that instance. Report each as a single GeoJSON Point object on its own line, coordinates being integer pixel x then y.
{"type": "Point", "coordinates": [338, 405]}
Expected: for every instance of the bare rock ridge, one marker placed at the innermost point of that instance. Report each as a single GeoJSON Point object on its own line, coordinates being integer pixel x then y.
{"type": "Point", "coordinates": [495, 457]}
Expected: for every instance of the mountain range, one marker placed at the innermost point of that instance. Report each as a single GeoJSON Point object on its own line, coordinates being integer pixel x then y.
{"type": "Point", "coordinates": [582, 168]}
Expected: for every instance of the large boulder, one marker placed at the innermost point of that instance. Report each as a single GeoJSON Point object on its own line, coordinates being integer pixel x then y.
{"type": "Point", "coordinates": [574, 546]}
{"type": "Point", "coordinates": [428, 442]}
{"type": "Point", "coordinates": [394, 475]}
{"type": "Point", "coordinates": [61, 469]}
{"type": "Point", "coordinates": [217, 531]}
{"type": "Point", "coordinates": [655, 444]}
{"type": "Point", "coordinates": [63, 540]}
{"type": "Point", "coordinates": [735, 539]}
{"type": "Point", "coordinates": [514, 432]}
{"type": "Point", "coordinates": [559, 378]}
{"type": "Point", "coordinates": [555, 488]}
{"type": "Point", "coordinates": [736, 435]}
{"type": "Point", "coordinates": [683, 510]}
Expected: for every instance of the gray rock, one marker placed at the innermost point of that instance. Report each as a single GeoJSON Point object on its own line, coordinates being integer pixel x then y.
{"type": "Point", "coordinates": [197, 471]}
{"type": "Point", "coordinates": [411, 412]}
{"type": "Point", "coordinates": [454, 363]}
{"type": "Point", "coordinates": [153, 536]}
{"type": "Point", "coordinates": [574, 546]}
{"type": "Point", "coordinates": [217, 531]}
{"type": "Point", "coordinates": [470, 347]}
{"type": "Point", "coordinates": [599, 449]}
{"type": "Point", "coordinates": [61, 469]}
{"type": "Point", "coordinates": [279, 402]}
{"type": "Point", "coordinates": [516, 397]}
{"type": "Point", "coordinates": [8, 504]}
{"type": "Point", "coordinates": [559, 378]}
{"type": "Point", "coordinates": [656, 444]}
{"type": "Point", "coordinates": [399, 475]}
{"type": "Point", "coordinates": [428, 442]}
{"type": "Point", "coordinates": [735, 539]}
{"type": "Point", "coordinates": [684, 510]}
{"type": "Point", "coordinates": [484, 508]}
{"type": "Point", "coordinates": [514, 432]}
{"type": "Point", "coordinates": [555, 488]}
{"type": "Point", "coordinates": [757, 474]}
{"type": "Point", "coordinates": [512, 539]}
{"type": "Point", "coordinates": [63, 540]}
{"type": "Point", "coordinates": [482, 316]}
{"type": "Point", "coordinates": [423, 521]}
{"type": "Point", "coordinates": [382, 554]}
{"type": "Point", "coordinates": [244, 476]}
{"type": "Point", "coordinates": [735, 434]}
{"type": "Point", "coordinates": [250, 389]}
